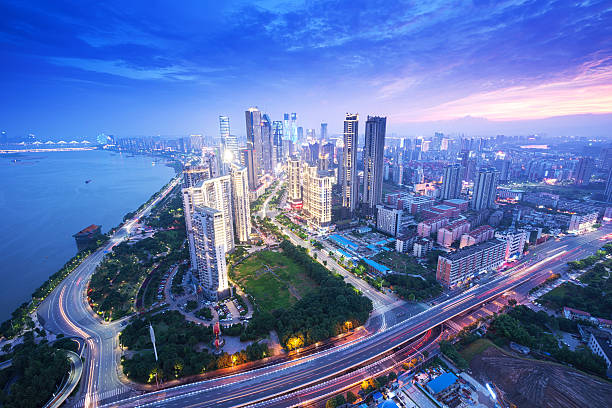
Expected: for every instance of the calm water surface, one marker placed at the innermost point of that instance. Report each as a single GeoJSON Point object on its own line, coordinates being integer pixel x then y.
{"type": "Point", "coordinates": [44, 199]}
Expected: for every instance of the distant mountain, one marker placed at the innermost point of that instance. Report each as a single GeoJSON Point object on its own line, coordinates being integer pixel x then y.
{"type": "Point", "coordinates": [588, 125]}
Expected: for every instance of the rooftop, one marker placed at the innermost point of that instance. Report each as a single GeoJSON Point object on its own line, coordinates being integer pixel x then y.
{"type": "Point", "coordinates": [444, 207]}
{"type": "Point", "coordinates": [86, 231]}
{"type": "Point", "coordinates": [442, 382]}
{"type": "Point", "coordinates": [376, 265]}
{"type": "Point", "coordinates": [467, 251]}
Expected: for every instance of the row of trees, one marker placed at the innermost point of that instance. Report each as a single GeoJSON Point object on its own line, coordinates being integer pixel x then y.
{"type": "Point", "coordinates": [320, 314]}
{"type": "Point", "coordinates": [178, 342]}
{"type": "Point", "coordinates": [35, 375]}
{"type": "Point", "coordinates": [412, 288]}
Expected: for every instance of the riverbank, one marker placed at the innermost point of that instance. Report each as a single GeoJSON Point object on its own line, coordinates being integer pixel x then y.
{"type": "Point", "coordinates": [46, 200]}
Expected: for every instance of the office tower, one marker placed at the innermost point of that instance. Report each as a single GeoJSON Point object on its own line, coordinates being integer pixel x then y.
{"type": "Point", "coordinates": [286, 127]}
{"type": "Point", "coordinates": [277, 141]}
{"type": "Point", "coordinates": [254, 137]}
{"type": "Point", "coordinates": [214, 193]}
{"type": "Point", "coordinates": [313, 153]}
{"type": "Point", "coordinates": [584, 171]}
{"type": "Point", "coordinates": [324, 131]}
{"type": "Point", "coordinates": [451, 182]}
{"type": "Point", "coordinates": [485, 189]}
{"type": "Point", "coordinates": [350, 186]}
{"type": "Point", "coordinates": [229, 141]}
{"type": "Point", "coordinates": [317, 197]}
{"type": "Point", "coordinates": [267, 163]}
{"type": "Point", "coordinates": [294, 195]}
{"type": "Point", "coordinates": [608, 191]}
{"type": "Point", "coordinates": [247, 159]}
{"type": "Point", "coordinates": [294, 129]}
{"type": "Point", "coordinates": [241, 202]}
{"type": "Point", "coordinates": [373, 161]}
{"type": "Point", "coordinates": [196, 142]}
{"type": "Point", "coordinates": [192, 175]}
{"type": "Point", "coordinates": [207, 251]}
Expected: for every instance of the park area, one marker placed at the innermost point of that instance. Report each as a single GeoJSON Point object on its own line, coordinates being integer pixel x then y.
{"type": "Point", "coordinates": [274, 280]}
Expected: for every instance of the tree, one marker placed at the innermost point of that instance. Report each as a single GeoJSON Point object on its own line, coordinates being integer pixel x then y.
{"type": "Point", "coordinates": [350, 397]}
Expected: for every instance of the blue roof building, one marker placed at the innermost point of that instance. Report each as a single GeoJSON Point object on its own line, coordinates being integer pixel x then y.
{"type": "Point", "coordinates": [343, 242]}
{"type": "Point", "coordinates": [441, 382]}
{"type": "Point", "coordinates": [376, 266]}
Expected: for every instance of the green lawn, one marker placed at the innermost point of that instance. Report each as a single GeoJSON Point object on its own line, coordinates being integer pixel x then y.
{"type": "Point", "coordinates": [279, 287]}
{"type": "Point", "coordinates": [475, 348]}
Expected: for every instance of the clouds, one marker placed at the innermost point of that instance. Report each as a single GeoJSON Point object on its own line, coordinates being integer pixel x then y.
{"type": "Point", "coordinates": [435, 59]}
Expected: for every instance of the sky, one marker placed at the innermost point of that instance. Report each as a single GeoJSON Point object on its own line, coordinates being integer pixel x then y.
{"type": "Point", "coordinates": [72, 69]}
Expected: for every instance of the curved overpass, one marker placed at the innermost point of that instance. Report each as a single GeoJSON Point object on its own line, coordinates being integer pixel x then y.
{"type": "Point", "coordinates": [271, 382]}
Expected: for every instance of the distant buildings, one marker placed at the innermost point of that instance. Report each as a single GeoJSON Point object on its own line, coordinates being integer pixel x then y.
{"type": "Point", "coordinates": [350, 186]}
{"type": "Point", "coordinates": [457, 267]}
{"type": "Point", "coordinates": [373, 160]}
{"type": "Point", "coordinates": [451, 182]}
{"type": "Point", "coordinates": [229, 141]}
{"type": "Point", "coordinates": [584, 171]}
{"type": "Point", "coordinates": [608, 191]}
{"type": "Point", "coordinates": [485, 189]}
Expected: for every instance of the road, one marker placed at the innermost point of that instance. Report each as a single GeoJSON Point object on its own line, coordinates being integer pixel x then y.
{"type": "Point", "coordinates": [66, 311]}
{"type": "Point", "coordinates": [284, 378]}
{"type": "Point", "coordinates": [76, 371]}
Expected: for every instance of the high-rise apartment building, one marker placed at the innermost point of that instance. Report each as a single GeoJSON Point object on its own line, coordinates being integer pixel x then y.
{"type": "Point", "coordinates": [373, 160]}
{"type": "Point", "coordinates": [247, 159]}
{"type": "Point", "coordinates": [229, 141]}
{"type": "Point", "coordinates": [584, 171]}
{"type": "Point", "coordinates": [350, 181]}
{"type": "Point", "coordinates": [207, 250]}
{"type": "Point", "coordinates": [254, 138]}
{"type": "Point", "coordinates": [214, 193]}
{"type": "Point", "coordinates": [485, 189]}
{"type": "Point", "coordinates": [451, 182]}
{"type": "Point", "coordinates": [192, 175]}
{"type": "Point", "coordinates": [457, 267]}
{"type": "Point", "coordinates": [241, 203]}
{"type": "Point", "coordinates": [294, 195]}
{"type": "Point", "coordinates": [317, 197]}
{"type": "Point", "coordinates": [388, 220]}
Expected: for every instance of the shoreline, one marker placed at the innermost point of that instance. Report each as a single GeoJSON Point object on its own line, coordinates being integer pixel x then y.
{"type": "Point", "coordinates": [21, 314]}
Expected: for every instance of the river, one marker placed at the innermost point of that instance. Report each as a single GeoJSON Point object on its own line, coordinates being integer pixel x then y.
{"type": "Point", "coordinates": [45, 199]}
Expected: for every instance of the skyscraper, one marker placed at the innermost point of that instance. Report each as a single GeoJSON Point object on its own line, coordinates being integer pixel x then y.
{"type": "Point", "coordinates": [266, 145]}
{"type": "Point", "coordinates": [485, 189]}
{"type": "Point", "coordinates": [247, 159]}
{"type": "Point", "coordinates": [192, 175]}
{"type": "Point", "coordinates": [324, 131]}
{"type": "Point", "coordinates": [229, 141]}
{"type": "Point", "coordinates": [254, 137]}
{"type": "Point", "coordinates": [294, 131]}
{"type": "Point", "coordinates": [241, 202]}
{"type": "Point", "coordinates": [214, 193]}
{"type": "Point", "coordinates": [294, 195]}
{"type": "Point", "coordinates": [350, 182]}
{"type": "Point", "coordinates": [584, 171]}
{"type": "Point", "coordinates": [286, 127]}
{"type": "Point", "coordinates": [451, 182]}
{"type": "Point", "coordinates": [277, 141]}
{"type": "Point", "coordinates": [207, 250]}
{"type": "Point", "coordinates": [373, 161]}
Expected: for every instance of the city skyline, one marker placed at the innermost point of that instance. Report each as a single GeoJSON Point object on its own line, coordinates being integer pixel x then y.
{"type": "Point", "coordinates": [483, 69]}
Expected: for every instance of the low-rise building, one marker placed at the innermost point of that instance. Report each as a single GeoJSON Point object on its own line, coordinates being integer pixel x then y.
{"type": "Point", "coordinates": [476, 236]}
{"type": "Point", "coordinates": [421, 247]}
{"type": "Point", "coordinates": [515, 241]}
{"type": "Point", "coordinates": [580, 223]}
{"type": "Point", "coordinates": [459, 266]}
{"type": "Point", "coordinates": [452, 232]}
{"type": "Point", "coordinates": [432, 225]}
{"type": "Point", "coordinates": [459, 203]}
{"type": "Point", "coordinates": [404, 243]}
{"type": "Point", "coordinates": [602, 346]}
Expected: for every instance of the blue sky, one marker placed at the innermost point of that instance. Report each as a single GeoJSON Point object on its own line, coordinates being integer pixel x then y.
{"type": "Point", "coordinates": [77, 68]}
